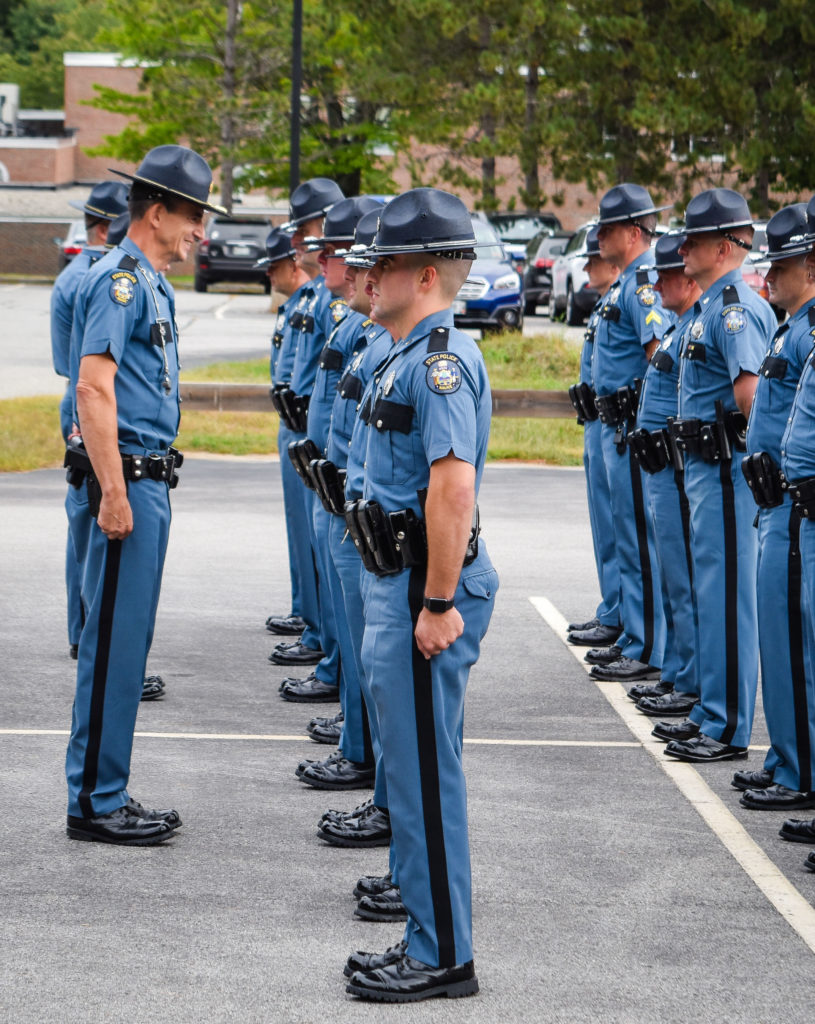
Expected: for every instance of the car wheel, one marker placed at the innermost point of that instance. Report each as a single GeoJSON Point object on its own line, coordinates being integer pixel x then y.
{"type": "Point", "coordinates": [200, 283]}
{"type": "Point", "coordinates": [573, 317]}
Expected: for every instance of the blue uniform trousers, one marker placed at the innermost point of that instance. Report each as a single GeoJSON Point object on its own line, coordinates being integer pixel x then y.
{"type": "Point", "coordinates": [420, 708]}
{"type": "Point", "coordinates": [79, 527]}
{"type": "Point", "coordinates": [329, 668]}
{"type": "Point", "coordinates": [602, 525]}
{"type": "Point", "coordinates": [302, 570]}
{"type": "Point", "coordinates": [785, 649]}
{"type": "Point", "coordinates": [724, 548]}
{"type": "Point", "coordinates": [670, 515]}
{"type": "Point", "coordinates": [121, 587]}
{"type": "Point", "coordinates": [643, 636]}
{"type": "Point", "coordinates": [359, 733]}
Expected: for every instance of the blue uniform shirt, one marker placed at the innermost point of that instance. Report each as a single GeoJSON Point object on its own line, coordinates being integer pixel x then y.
{"type": "Point", "coordinates": [587, 352]}
{"type": "Point", "coordinates": [295, 308]}
{"type": "Point", "coordinates": [323, 313]}
{"type": "Point", "coordinates": [727, 334]}
{"type": "Point", "coordinates": [277, 338]}
{"type": "Point", "coordinates": [446, 408]}
{"type": "Point", "coordinates": [797, 448]}
{"type": "Point", "coordinates": [62, 306]}
{"type": "Point", "coordinates": [332, 362]}
{"type": "Point", "coordinates": [125, 310]}
{"type": "Point", "coordinates": [659, 398]}
{"type": "Point", "coordinates": [348, 438]}
{"type": "Point", "coordinates": [778, 379]}
{"type": "Point", "coordinates": [631, 316]}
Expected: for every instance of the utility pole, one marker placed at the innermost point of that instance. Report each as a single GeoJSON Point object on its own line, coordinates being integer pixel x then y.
{"type": "Point", "coordinates": [296, 90]}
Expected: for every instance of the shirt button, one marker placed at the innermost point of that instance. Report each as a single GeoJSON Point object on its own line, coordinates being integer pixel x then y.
{"type": "Point", "coordinates": [379, 424]}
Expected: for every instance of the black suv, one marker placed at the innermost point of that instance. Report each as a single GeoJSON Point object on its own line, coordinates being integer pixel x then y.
{"type": "Point", "coordinates": [230, 250]}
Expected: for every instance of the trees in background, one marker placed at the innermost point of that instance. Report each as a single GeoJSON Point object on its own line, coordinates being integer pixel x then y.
{"type": "Point", "coordinates": [678, 95]}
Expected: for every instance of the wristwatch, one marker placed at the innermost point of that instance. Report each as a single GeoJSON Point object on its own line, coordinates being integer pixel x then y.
{"type": "Point", "coordinates": [437, 605]}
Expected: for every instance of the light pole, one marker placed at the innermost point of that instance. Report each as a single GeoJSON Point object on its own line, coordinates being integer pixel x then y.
{"type": "Point", "coordinates": [296, 89]}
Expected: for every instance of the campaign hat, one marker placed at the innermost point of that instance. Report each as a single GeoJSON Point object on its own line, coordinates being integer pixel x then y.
{"type": "Point", "coordinates": [278, 247]}
{"type": "Point", "coordinates": [424, 220]}
{"type": "Point", "coordinates": [174, 171]}
{"type": "Point", "coordinates": [106, 201]}
{"type": "Point", "coordinates": [118, 229]}
{"type": "Point", "coordinates": [341, 220]}
{"type": "Point", "coordinates": [716, 209]}
{"type": "Point", "coordinates": [626, 202]}
{"type": "Point", "coordinates": [314, 198]}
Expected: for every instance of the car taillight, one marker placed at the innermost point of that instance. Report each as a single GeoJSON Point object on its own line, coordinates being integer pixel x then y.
{"type": "Point", "coordinates": [543, 264]}
{"type": "Point", "coordinates": [203, 245]}
{"type": "Point", "coordinates": [72, 250]}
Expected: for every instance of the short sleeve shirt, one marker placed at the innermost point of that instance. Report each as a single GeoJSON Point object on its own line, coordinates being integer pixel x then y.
{"type": "Point", "coordinates": [62, 307]}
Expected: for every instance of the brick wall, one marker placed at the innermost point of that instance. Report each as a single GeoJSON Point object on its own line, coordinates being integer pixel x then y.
{"type": "Point", "coordinates": [27, 247]}
{"type": "Point", "coordinates": [38, 161]}
{"type": "Point", "coordinates": [82, 72]}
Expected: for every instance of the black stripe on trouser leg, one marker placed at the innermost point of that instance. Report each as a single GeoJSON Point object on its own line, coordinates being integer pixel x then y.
{"type": "Point", "coordinates": [429, 781]}
{"type": "Point", "coordinates": [797, 668]}
{"type": "Point", "coordinates": [367, 746]}
{"type": "Point", "coordinates": [684, 511]}
{"type": "Point", "coordinates": [645, 561]}
{"type": "Point", "coordinates": [110, 584]}
{"type": "Point", "coordinates": [731, 602]}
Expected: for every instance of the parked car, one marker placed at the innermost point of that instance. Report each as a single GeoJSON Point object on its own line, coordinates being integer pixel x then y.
{"type": "Point", "coordinates": [229, 251]}
{"type": "Point", "coordinates": [492, 296]}
{"type": "Point", "coordinates": [570, 294]}
{"type": "Point", "coordinates": [540, 256]}
{"type": "Point", "coordinates": [516, 230]}
{"type": "Point", "coordinates": [73, 242]}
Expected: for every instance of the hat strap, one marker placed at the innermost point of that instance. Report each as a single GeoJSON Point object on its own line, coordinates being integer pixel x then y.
{"type": "Point", "coordinates": [737, 241]}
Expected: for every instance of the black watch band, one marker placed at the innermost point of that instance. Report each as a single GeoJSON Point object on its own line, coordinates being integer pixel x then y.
{"type": "Point", "coordinates": [437, 605]}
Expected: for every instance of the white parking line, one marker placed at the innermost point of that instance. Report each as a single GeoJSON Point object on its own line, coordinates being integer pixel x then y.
{"type": "Point", "coordinates": [220, 311]}
{"type": "Point", "coordinates": [283, 738]}
{"type": "Point", "coordinates": [775, 885]}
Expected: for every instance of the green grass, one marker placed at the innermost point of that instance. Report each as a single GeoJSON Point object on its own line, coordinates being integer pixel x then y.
{"type": "Point", "coordinates": [30, 437]}
{"type": "Point", "coordinates": [545, 362]}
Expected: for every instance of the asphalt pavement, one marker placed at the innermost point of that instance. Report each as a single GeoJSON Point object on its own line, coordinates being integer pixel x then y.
{"type": "Point", "coordinates": [605, 887]}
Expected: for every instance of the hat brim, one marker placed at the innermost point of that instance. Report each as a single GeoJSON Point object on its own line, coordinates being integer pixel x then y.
{"type": "Point", "coordinates": [212, 207]}
{"type": "Point", "coordinates": [94, 211]}
{"type": "Point", "coordinates": [464, 246]}
{"type": "Point", "coordinates": [709, 229]}
{"type": "Point", "coordinates": [292, 225]}
{"type": "Point", "coordinates": [799, 249]}
{"type": "Point", "coordinates": [632, 216]}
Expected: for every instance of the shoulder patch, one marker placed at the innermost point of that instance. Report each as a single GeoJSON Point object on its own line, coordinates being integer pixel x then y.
{"type": "Point", "coordinates": [646, 295]}
{"type": "Point", "coordinates": [443, 373]}
{"type": "Point", "coordinates": [122, 287]}
{"type": "Point", "coordinates": [734, 319]}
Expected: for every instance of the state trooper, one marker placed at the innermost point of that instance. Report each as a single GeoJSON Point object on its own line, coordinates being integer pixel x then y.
{"type": "Point", "coordinates": [106, 201]}
{"type": "Point", "coordinates": [678, 689]}
{"type": "Point", "coordinates": [128, 411]}
{"type": "Point", "coordinates": [604, 628]}
{"type": "Point", "coordinates": [784, 627]}
{"type": "Point", "coordinates": [630, 327]}
{"type": "Point", "coordinates": [722, 348]}
{"type": "Point", "coordinates": [287, 278]}
{"type": "Point", "coordinates": [352, 766]}
{"type": "Point", "coordinates": [367, 825]}
{"type": "Point", "coordinates": [322, 310]}
{"type": "Point", "coordinates": [308, 204]}
{"type": "Point", "coordinates": [427, 602]}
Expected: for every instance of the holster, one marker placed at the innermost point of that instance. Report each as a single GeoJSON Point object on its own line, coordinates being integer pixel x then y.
{"type": "Point", "coordinates": [764, 479]}
{"type": "Point", "coordinates": [277, 402]}
{"type": "Point", "coordinates": [298, 405]}
{"type": "Point", "coordinates": [77, 464]}
{"type": "Point", "coordinates": [582, 397]}
{"type": "Point", "coordinates": [301, 454]}
{"type": "Point", "coordinates": [802, 493]}
{"type": "Point", "coordinates": [356, 533]}
{"type": "Point", "coordinates": [331, 486]}
{"type": "Point", "coordinates": [650, 449]}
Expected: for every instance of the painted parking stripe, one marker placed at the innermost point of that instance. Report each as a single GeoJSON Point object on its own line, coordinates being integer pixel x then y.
{"type": "Point", "coordinates": [762, 871]}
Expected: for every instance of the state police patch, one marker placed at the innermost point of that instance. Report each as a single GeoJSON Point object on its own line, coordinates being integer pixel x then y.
{"type": "Point", "coordinates": [645, 293]}
{"type": "Point", "coordinates": [734, 319]}
{"type": "Point", "coordinates": [122, 287]}
{"type": "Point", "coordinates": [443, 374]}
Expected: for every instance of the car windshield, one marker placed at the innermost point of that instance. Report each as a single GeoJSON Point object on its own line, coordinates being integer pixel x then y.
{"type": "Point", "coordinates": [221, 227]}
{"type": "Point", "coordinates": [488, 246]}
{"type": "Point", "coordinates": [760, 240]}
{"type": "Point", "coordinates": [520, 228]}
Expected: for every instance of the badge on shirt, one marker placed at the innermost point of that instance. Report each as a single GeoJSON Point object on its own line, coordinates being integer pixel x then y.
{"type": "Point", "coordinates": [734, 319]}
{"type": "Point", "coordinates": [356, 361]}
{"type": "Point", "coordinates": [667, 343]}
{"type": "Point", "coordinates": [443, 374]}
{"type": "Point", "coordinates": [697, 330]}
{"type": "Point", "coordinates": [338, 310]}
{"type": "Point", "coordinates": [122, 287]}
{"type": "Point", "coordinates": [646, 294]}
{"type": "Point", "coordinates": [779, 344]}
{"type": "Point", "coordinates": [386, 390]}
